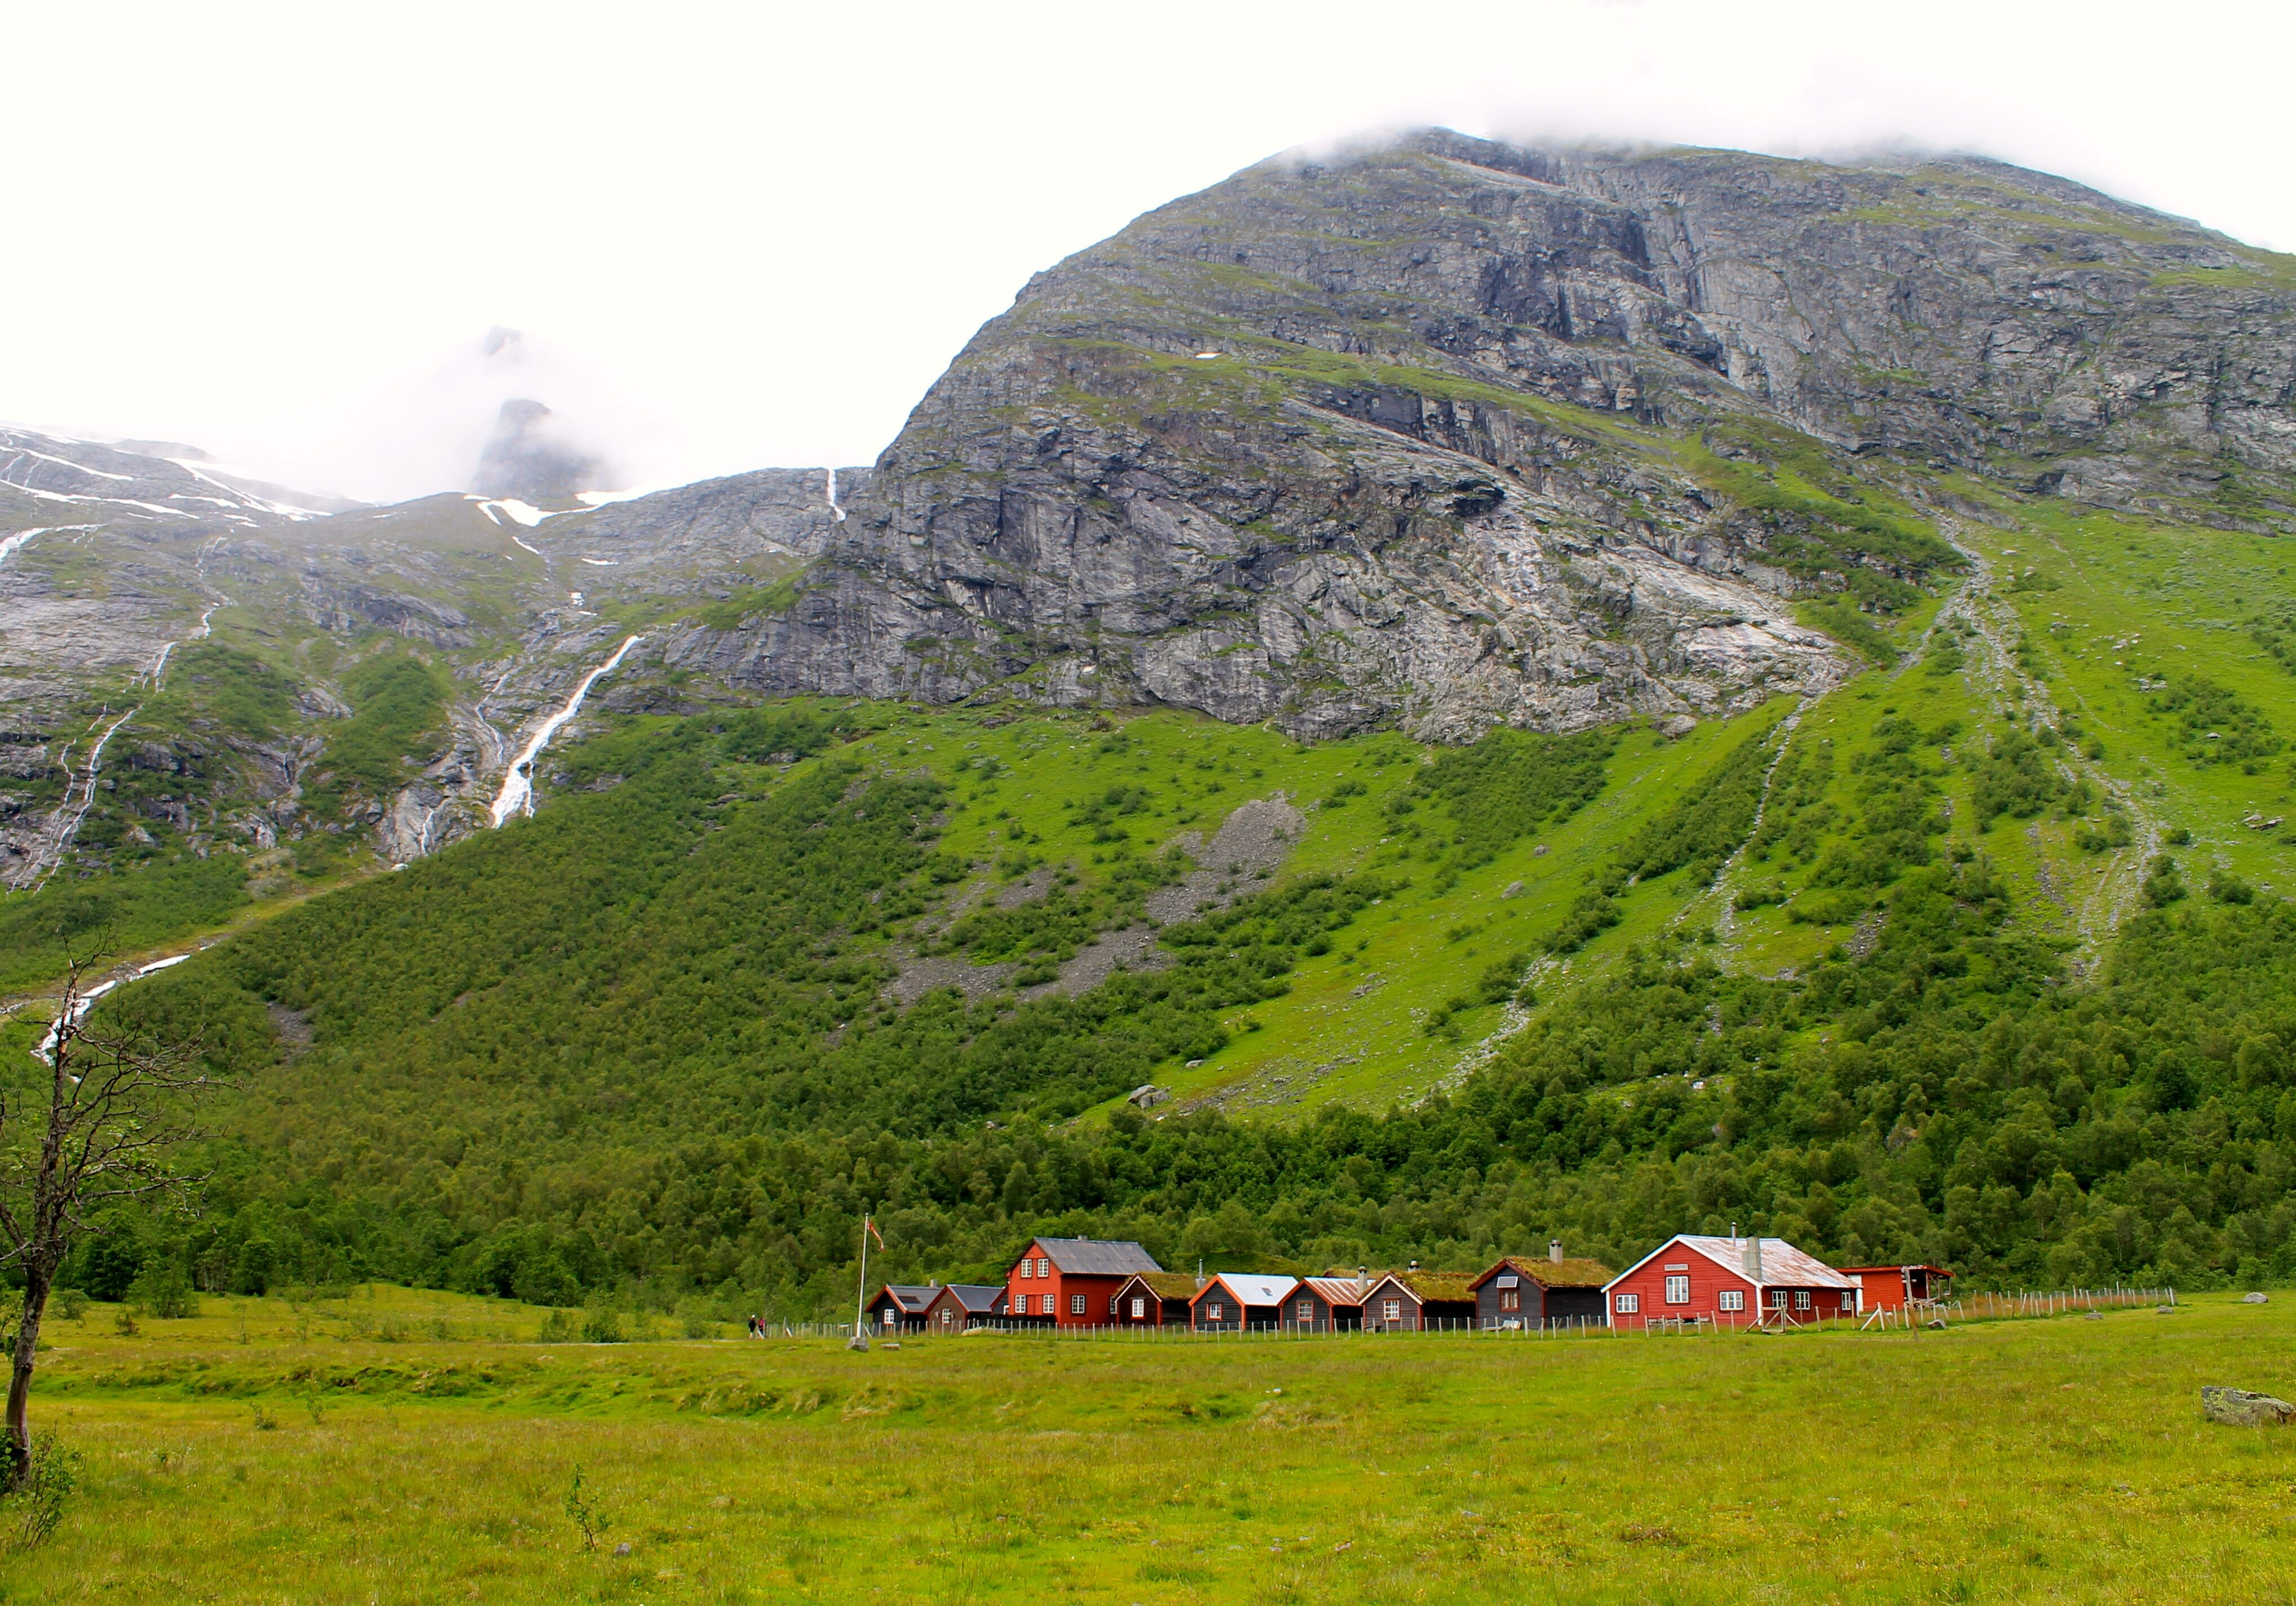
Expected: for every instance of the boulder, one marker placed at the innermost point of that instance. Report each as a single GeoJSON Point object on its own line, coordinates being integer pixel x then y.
{"type": "Point", "coordinates": [1148, 1096]}
{"type": "Point", "coordinates": [1678, 727]}
{"type": "Point", "coordinates": [2253, 1300]}
{"type": "Point", "coordinates": [1513, 890]}
{"type": "Point", "coordinates": [2239, 1408]}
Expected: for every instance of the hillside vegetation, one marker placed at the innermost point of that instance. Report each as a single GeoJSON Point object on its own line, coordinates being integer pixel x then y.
{"type": "Point", "coordinates": [1973, 960]}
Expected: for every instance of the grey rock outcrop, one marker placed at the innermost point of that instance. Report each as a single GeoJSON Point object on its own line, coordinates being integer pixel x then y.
{"type": "Point", "coordinates": [2241, 1408]}
{"type": "Point", "coordinates": [1449, 433]}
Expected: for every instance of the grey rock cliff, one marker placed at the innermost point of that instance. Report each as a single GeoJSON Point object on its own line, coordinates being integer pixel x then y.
{"type": "Point", "coordinates": [1451, 433]}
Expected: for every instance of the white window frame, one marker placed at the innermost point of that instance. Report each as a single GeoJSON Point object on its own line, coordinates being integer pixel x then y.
{"type": "Point", "coordinates": [1028, 1268]}
{"type": "Point", "coordinates": [1390, 1310]}
{"type": "Point", "coordinates": [1730, 1298]}
{"type": "Point", "coordinates": [1801, 1299]}
{"type": "Point", "coordinates": [1626, 1305]}
{"type": "Point", "coordinates": [1076, 1304]}
{"type": "Point", "coordinates": [1139, 1309]}
{"type": "Point", "coordinates": [1215, 1312]}
{"type": "Point", "coordinates": [1678, 1288]}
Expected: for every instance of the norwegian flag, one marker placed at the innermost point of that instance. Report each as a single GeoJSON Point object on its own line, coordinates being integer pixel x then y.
{"type": "Point", "coordinates": [869, 1225]}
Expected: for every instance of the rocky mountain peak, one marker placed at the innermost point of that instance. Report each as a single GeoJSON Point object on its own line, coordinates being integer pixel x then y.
{"type": "Point", "coordinates": [1448, 433]}
{"type": "Point", "coordinates": [529, 458]}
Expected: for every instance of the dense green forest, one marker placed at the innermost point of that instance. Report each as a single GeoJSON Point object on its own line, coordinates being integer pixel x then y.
{"type": "Point", "coordinates": [640, 1047]}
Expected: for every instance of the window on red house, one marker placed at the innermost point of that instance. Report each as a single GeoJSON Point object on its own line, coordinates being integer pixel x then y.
{"type": "Point", "coordinates": [1076, 1304]}
{"type": "Point", "coordinates": [1043, 1266]}
{"type": "Point", "coordinates": [1626, 1305]}
{"type": "Point", "coordinates": [1731, 1298]}
{"type": "Point", "coordinates": [1677, 1290]}
{"type": "Point", "coordinates": [1028, 1268]}
{"type": "Point", "coordinates": [1801, 1299]}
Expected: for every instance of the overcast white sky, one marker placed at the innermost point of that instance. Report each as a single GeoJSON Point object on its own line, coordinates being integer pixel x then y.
{"type": "Point", "coordinates": [741, 235]}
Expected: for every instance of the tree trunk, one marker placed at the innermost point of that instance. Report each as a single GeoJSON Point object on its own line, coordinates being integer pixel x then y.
{"type": "Point", "coordinates": [36, 1281]}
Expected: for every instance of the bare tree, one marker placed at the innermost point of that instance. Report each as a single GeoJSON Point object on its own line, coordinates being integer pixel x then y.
{"type": "Point", "coordinates": [98, 1124]}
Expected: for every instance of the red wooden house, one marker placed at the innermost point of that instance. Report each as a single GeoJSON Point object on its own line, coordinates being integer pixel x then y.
{"type": "Point", "coordinates": [1069, 1282]}
{"type": "Point", "coordinates": [1730, 1283]}
{"type": "Point", "coordinates": [1895, 1287]}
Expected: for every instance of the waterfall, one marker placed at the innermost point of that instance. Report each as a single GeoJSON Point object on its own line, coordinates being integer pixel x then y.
{"type": "Point", "coordinates": [836, 511]}
{"type": "Point", "coordinates": [517, 794]}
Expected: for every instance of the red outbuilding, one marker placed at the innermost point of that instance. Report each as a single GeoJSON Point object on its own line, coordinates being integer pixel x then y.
{"type": "Point", "coordinates": [1730, 1283]}
{"type": "Point", "coordinates": [1069, 1282]}
{"type": "Point", "coordinates": [1895, 1287]}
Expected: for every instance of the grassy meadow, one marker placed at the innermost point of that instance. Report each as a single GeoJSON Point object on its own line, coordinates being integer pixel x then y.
{"type": "Point", "coordinates": [396, 1446]}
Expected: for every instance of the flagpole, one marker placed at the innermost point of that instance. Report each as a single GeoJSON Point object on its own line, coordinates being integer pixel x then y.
{"type": "Point", "coordinates": [861, 1295]}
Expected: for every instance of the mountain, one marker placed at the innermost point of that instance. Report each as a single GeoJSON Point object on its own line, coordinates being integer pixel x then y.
{"type": "Point", "coordinates": [192, 653]}
{"type": "Point", "coordinates": [1629, 690]}
{"type": "Point", "coordinates": [1446, 433]}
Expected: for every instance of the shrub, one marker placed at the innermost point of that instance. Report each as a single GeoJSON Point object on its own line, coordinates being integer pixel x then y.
{"type": "Point", "coordinates": [33, 1511]}
{"type": "Point", "coordinates": [603, 1324]}
{"type": "Point", "coordinates": [161, 1290]}
{"type": "Point", "coordinates": [2226, 888]}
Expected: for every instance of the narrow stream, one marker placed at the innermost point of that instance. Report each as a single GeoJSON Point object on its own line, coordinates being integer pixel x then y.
{"type": "Point", "coordinates": [836, 511]}
{"type": "Point", "coordinates": [86, 1002]}
{"type": "Point", "coordinates": [517, 794]}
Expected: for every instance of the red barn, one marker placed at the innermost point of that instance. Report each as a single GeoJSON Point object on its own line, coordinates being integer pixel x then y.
{"type": "Point", "coordinates": [1069, 1282]}
{"type": "Point", "coordinates": [1895, 1287]}
{"type": "Point", "coordinates": [1729, 1282]}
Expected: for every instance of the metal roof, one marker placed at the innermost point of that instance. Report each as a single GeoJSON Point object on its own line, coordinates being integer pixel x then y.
{"type": "Point", "coordinates": [1339, 1290]}
{"type": "Point", "coordinates": [910, 1296]}
{"type": "Point", "coordinates": [1097, 1256]}
{"type": "Point", "coordinates": [1252, 1289]}
{"type": "Point", "coordinates": [1782, 1264]}
{"type": "Point", "coordinates": [976, 1297]}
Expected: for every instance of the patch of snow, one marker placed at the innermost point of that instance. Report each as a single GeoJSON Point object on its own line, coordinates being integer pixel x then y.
{"type": "Point", "coordinates": [517, 794]}
{"type": "Point", "coordinates": [68, 462]}
{"type": "Point", "coordinates": [600, 498]}
{"type": "Point", "coordinates": [600, 562]}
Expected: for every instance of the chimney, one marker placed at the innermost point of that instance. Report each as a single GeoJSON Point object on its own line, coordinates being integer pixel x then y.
{"type": "Point", "coordinates": [1751, 1258]}
{"type": "Point", "coordinates": [1363, 1281]}
{"type": "Point", "coordinates": [1555, 1251]}
{"type": "Point", "coordinates": [1413, 1267]}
